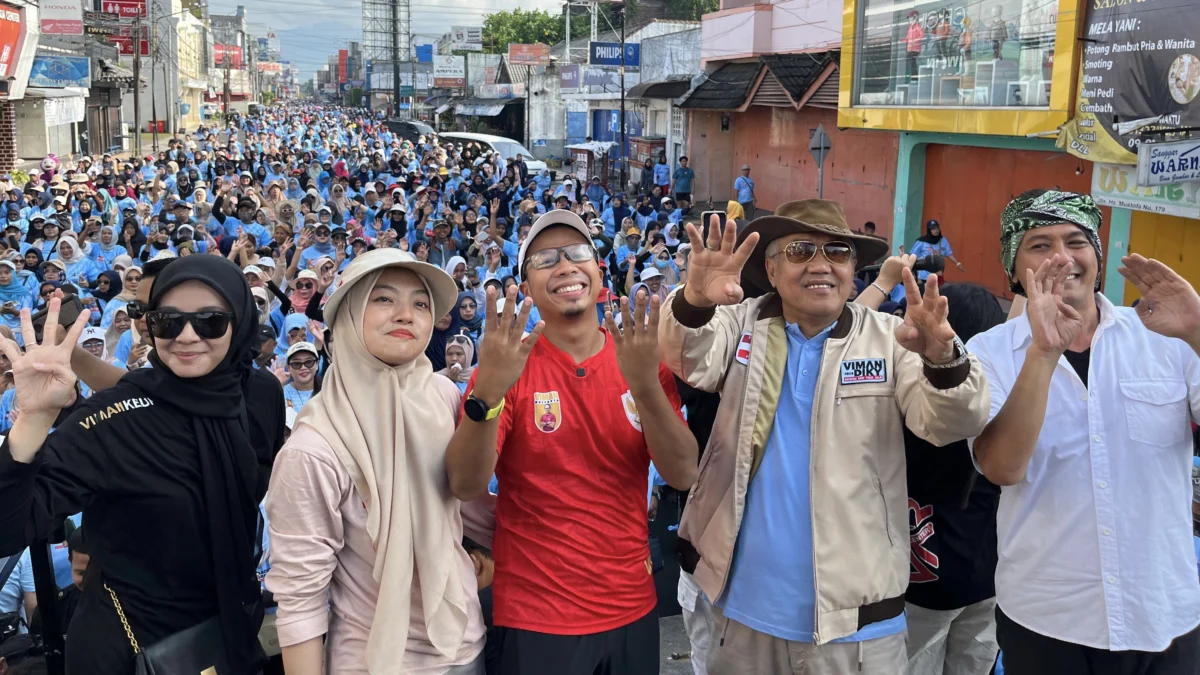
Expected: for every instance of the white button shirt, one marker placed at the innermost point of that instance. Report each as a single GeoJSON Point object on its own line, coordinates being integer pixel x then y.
{"type": "Point", "coordinates": [1095, 544]}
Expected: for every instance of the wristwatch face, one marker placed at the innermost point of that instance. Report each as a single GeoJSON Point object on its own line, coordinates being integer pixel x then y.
{"type": "Point", "coordinates": [475, 409]}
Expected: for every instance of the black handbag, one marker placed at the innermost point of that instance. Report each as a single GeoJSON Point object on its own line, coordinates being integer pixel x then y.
{"type": "Point", "coordinates": [199, 650]}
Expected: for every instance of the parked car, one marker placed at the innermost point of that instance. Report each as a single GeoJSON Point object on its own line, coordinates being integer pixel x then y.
{"type": "Point", "coordinates": [507, 147]}
{"type": "Point", "coordinates": [409, 130]}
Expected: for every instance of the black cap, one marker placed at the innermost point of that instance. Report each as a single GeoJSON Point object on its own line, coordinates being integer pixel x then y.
{"type": "Point", "coordinates": [265, 332]}
{"type": "Point", "coordinates": [932, 223]}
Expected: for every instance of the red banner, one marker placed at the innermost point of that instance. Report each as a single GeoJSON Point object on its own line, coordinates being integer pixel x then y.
{"type": "Point", "coordinates": [529, 55]}
{"type": "Point", "coordinates": [126, 9]}
{"type": "Point", "coordinates": [343, 55]}
{"type": "Point", "coordinates": [10, 36]}
{"type": "Point", "coordinates": [124, 40]}
{"type": "Point", "coordinates": [221, 51]}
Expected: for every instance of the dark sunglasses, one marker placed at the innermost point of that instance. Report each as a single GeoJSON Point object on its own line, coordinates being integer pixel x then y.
{"type": "Point", "coordinates": [549, 257]}
{"type": "Point", "coordinates": [304, 285]}
{"type": "Point", "coordinates": [260, 302]}
{"type": "Point", "coordinates": [135, 309]}
{"type": "Point", "coordinates": [306, 363]}
{"type": "Point", "coordinates": [169, 325]}
{"type": "Point", "coordinates": [801, 252]}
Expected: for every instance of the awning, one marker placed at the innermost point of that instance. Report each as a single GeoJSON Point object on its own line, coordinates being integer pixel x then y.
{"type": "Point", "coordinates": [484, 107]}
{"type": "Point", "coordinates": [595, 147]}
{"type": "Point", "coordinates": [665, 89]}
{"type": "Point", "coordinates": [726, 89]}
{"type": "Point", "coordinates": [55, 92]}
{"type": "Point", "coordinates": [443, 108]}
{"type": "Point", "coordinates": [111, 72]}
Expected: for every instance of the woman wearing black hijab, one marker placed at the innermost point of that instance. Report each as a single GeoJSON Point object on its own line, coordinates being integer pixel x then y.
{"type": "Point", "coordinates": [162, 466]}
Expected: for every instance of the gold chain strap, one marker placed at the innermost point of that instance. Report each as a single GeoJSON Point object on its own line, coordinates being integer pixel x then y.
{"type": "Point", "coordinates": [124, 622]}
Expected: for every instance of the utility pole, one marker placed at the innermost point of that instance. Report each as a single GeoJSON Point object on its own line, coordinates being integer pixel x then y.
{"type": "Point", "coordinates": [136, 41]}
{"type": "Point", "coordinates": [624, 154]}
{"type": "Point", "coordinates": [396, 58]}
{"type": "Point", "coordinates": [412, 76]}
{"type": "Point", "coordinates": [153, 75]}
{"type": "Point", "coordinates": [225, 62]}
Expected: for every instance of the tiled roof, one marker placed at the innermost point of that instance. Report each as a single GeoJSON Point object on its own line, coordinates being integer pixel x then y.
{"type": "Point", "coordinates": [798, 72]}
{"type": "Point", "coordinates": [725, 89]}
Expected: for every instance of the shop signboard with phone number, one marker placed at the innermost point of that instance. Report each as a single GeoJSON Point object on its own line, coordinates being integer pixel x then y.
{"type": "Point", "coordinates": [1140, 62]}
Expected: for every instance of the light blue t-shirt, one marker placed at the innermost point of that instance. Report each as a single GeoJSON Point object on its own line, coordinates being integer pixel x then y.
{"type": "Point", "coordinates": [745, 190]}
{"type": "Point", "coordinates": [20, 582]}
{"type": "Point", "coordinates": [922, 249]}
{"type": "Point", "coordinates": [296, 398]}
{"type": "Point", "coordinates": [771, 587]}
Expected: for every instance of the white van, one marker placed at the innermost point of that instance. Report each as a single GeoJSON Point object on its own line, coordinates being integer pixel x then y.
{"type": "Point", "coordinates": [507, 147]}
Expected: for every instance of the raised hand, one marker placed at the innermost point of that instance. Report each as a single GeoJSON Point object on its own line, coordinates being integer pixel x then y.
{"type": "Point", "coordinates": [891, 273]}
{"type": "Point", "coordinates": [280, 371]}
{"type": "Point", "coordinates": [1169, 305]}
{"type": "Point", "coordinates": [636, 341]}
{"type": "Point", "coordinates": [318, 332]}
{"type": "Point", "coordinates": [1054, 324]}
{"type": "Point", "coordinates": [502, 351]}
{"type": "Point", "coordinates": [715, 270]}
{"type": "Point", "coordinates": [926, 330]}
{"type": "Point", "coordinates": [42, 375]}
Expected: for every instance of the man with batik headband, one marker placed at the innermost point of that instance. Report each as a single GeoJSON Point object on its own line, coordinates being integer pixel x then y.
{"type": "Point", "coordinates": [1096, 571]}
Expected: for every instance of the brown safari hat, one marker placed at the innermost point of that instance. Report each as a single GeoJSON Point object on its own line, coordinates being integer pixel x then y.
{"type": "Point", "coordinates": [806, 215]}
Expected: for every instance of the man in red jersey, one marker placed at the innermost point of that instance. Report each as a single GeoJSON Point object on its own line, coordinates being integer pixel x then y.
{"type": "Point", "coordinates": [569, 425]}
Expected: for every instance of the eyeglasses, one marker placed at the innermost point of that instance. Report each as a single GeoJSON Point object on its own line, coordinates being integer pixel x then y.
{"type": "Point", "coordinates": [549, 257]}
{"type": "Point", "coordinates": [306, 363]}
{"type": "Point", "coordinates": [260, 302]}
{"type": "Point", "coordinates": [304, 286]}
{"type": "Point", "coordinates": [169, 325]}
{"type": "Point", "coordinates": [801, 252]}
{"type": "Point", "coordinates": [468, 305]}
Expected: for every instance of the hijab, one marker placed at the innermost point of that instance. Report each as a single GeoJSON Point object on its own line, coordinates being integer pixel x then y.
{"type": "Point", "coordinates": [112, 336]}
{"type": "Point", "coordinates": [233, 477]}
{"type": "Point", "coordinates": [15, 291]}
{"type": "Point", "coordinates": [453, 263]}
{"type": "Point", "coordinates": [474, 325]}
{"type": "Point", "coordinates": [115, 240]}
{"type": "Point", "coordinates": [299, 302]}
{"type": "Point", "coordinates": [436, 351]}
{"type": "Point", "coordinates": [126, 294]}
{"type": "Point", "coordinates": [929, 237]}
{"type": "Point", "coordinates": [468, 346]}
{"type": "Point", "coordinates": [114, 286]}
{"type": "Point", "coordinates": [390, 429]}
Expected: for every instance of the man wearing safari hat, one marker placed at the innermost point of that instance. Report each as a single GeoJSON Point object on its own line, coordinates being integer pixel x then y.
{"type": "Point", "coordinates": [1089, 439]}
{"type": "Point", "coordinates": [797, 528]}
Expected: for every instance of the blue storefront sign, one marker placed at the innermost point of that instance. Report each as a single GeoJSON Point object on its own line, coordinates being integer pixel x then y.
{"type": "Point", "coordinates": [609, 54]}
{"type": "Point", "coordinates": [58, 70]}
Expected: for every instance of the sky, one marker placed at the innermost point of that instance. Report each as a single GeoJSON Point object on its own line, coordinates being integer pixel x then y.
{"type": "Point", "coordinates": [311, 30]}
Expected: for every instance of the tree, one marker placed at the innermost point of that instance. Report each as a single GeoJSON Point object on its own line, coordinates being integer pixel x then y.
{"type": "Point", "coordinates": [691, 10]}
{"type": "Point", "coordinates": [520, 27]}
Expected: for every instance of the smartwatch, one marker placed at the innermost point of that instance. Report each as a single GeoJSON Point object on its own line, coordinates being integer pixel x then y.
{"type": "Point", "coordinates": [478, 411]}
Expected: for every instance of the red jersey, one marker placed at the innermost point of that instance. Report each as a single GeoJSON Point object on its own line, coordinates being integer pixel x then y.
{"type": "Point", "coordinates": [571, 527]}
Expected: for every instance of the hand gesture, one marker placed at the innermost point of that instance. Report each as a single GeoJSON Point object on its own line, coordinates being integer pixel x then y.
{"type": "Point", "coordinates": [42, 375]}
{"type": "Point", "coordinates": [280, 371]}
{"type": "Point", "coordinates": [340, 249]}
{"type": "Point", "coordinates": [318, 333]}
{"type": "Point", "coordinates": [326, 278]}
{"type": "Point", "coordinates": [1053, 323]}
{"type": "Point", "coordinates": [306, 239]}
{"type": "Point", "coordinates": [1169, 305]}
{"type": "Point", "coordinates": [495, 206]}
{"type": "Point", "coordinates": [502, 352]}
{"type": "Point", "coordinates": [890, 274]}
{"type": "Point", "coordinates": [715, 270]}
{"type": "Point", "coordinates": [636, 341]}
{"type": "Point", "coordinates": [926, 330]}
{"type": "Point", "coordinates": [136, 354]}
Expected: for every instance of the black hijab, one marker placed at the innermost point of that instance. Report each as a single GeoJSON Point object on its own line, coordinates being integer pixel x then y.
{"type": "Point", "coordinates": [232, 483]}
{"type": "Point", "coordinates": [436, 351]}
{"type": "Point", "coordinates": [114, 286]}
{"type": "Point", "coordinates": [929, 238]}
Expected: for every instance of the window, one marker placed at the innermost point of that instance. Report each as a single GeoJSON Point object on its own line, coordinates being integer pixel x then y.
{"type": "Point", "coordinates": [995, 53]}
{"type": "Point", "coordinates": [676, 123]}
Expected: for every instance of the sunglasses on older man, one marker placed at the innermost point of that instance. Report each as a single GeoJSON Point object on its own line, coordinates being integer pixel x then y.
{"type": "Point", "coordinates": [801, 252]}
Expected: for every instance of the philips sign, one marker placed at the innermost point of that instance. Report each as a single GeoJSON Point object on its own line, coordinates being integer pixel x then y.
{"type": "Point", "coordinates": [609, 54]}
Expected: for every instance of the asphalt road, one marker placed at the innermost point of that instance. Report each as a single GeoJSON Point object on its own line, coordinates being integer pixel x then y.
{"type": "Point", "coordinates": [672, 640]}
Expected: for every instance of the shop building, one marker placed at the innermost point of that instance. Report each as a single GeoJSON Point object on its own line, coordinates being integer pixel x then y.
{"type": "Point", "coordinates": [976, 93]}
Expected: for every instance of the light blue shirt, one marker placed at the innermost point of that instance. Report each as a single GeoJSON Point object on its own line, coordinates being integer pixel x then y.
{"type": "Point", "coordinates": [745, 190]}
{"type": "Point", "coordinates": [922, 249]}
{"type": "Point", "coordinates": [296, 398]}
{"type": "Point", "coordinates": [20, 582]}
{"type": "Point", "coordinates": [771, 587]}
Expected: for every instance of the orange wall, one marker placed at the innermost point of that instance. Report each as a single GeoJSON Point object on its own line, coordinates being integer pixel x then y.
{"type": "Point", "coordinates": [708, 151]}
{"type": "Point", "coordinates": [966, 189]}
{"type": "Point", "coordinates": [860, 171]}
